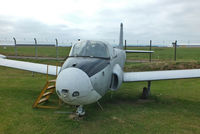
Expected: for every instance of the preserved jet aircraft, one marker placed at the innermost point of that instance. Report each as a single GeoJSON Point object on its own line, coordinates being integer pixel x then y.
{"type": "Point", "coordinates": [93, 68]}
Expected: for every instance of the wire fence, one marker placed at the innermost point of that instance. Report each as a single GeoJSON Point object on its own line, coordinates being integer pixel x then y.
{"type": "Point", "coordinates": [67, 43]}
{"type": "Point", "coordinates": [59, 48]}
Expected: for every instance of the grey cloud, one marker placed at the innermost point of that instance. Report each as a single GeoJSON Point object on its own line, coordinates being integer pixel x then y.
{"type": "Point", "coordinates": [159, 20]}
{"type": "Point", "coordinates": [29, 28]}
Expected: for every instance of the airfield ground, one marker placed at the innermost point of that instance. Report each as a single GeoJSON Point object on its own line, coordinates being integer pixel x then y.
{"type": "Point", "coordinates": [173, 107]}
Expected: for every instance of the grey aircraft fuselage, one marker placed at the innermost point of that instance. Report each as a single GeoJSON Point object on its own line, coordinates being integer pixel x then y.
{"type": "Point", "coordinates": [83, 80]}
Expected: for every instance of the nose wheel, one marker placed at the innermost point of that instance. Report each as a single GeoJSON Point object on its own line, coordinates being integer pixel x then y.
{"type": "Point", "coordinates": [80, 111]}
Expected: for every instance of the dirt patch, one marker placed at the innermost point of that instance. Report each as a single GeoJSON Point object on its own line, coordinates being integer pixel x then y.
{"type": "Point", "coordinates": [117, 119]}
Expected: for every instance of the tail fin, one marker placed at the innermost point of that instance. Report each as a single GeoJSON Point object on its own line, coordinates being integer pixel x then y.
{"type": "Point", "coordinates": [121, 36]}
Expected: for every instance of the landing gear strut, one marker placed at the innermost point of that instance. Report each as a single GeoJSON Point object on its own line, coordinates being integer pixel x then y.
{"type": "Point", "coordinates": [146, 91]}
{"type": "Point", "coordinates": [80, 111]}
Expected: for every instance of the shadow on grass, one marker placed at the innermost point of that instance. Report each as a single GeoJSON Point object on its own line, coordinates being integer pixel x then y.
{"type": "Point", "coordinates": [133, 104]}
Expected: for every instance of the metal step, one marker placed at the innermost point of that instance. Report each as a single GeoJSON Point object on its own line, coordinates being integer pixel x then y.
{"type": "Point", "coordinates": [50, 87]}
{"type": "Point", "coordinates": [42, 100]}
{"type": "Point", "coordinates": [47, 93]}
{"type": "Point", "coordinates": [52, 81]}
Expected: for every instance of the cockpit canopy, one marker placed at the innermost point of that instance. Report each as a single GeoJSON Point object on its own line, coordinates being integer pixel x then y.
{"type": "Point", "coordinates": [87, 48]}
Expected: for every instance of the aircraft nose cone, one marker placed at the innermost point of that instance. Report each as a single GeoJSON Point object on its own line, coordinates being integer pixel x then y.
{"type": "Point", "coordinates": [72, 84]}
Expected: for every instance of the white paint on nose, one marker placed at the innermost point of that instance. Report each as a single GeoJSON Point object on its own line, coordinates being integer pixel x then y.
{"type": "Point", "coordinates": [74, 87]}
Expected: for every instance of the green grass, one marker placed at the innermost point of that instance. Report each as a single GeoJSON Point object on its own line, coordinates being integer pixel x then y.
{"type": "Point", "coordinates": [160, 54]}
{"type": "Point", "coordinates": [166, 54]}
{"type": "Point", "coordinates": [42, 51]}
{"type": "Point", "coordinates": [173, 107]}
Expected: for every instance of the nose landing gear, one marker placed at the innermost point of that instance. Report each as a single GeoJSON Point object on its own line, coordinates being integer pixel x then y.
{"type": "Point", "coordinates": [80, 111]}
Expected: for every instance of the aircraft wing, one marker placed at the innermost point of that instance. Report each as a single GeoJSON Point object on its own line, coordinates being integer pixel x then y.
{"type": "Point", "coordinates": [2, 56]}
{"type": "Point", "coordinates": [138, 51]}
{"type": "Point", "coordinates": [161, 75]}
{"type": "Point", "coordinates": [28, 66]}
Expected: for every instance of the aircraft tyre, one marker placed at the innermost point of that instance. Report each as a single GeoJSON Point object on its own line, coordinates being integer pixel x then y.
{"type": "Point", "coordinates": [80, 111]}
{"type": "Point", "coordinates": [145, 93]}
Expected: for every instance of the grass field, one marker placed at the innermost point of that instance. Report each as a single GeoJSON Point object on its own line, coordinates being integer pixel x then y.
{"type": "Point", "coordinates": [173, 107]}
{"type": "Point", "coordinates": [161, 54]}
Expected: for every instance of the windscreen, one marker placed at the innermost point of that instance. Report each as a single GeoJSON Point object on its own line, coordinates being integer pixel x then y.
{"type": "Point", "coordinates": [91, 49]}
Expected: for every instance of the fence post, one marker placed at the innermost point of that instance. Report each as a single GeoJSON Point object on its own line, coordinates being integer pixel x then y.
{"type": "Point", "coordinates": [15, 46]}
{"type": "Point", "coordinates": [35, 47]}
{"type": "Point", "coordinates": [56, 49]}
{"type": "Point", "coordinates": [175, 45]}
{"type": "Point", "coordinates": [125, 44]}
{"type": "Point", "coordinates": [150, 50]}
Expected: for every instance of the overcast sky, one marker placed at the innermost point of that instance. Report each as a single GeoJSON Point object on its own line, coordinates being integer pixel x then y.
{"type": "Point", "coordinates": [100, 19]}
